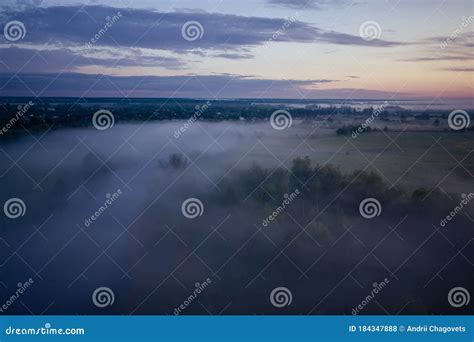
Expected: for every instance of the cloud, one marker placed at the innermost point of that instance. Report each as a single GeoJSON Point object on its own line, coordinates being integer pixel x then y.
{"type": "Point", "coordinates": [205, 86]}
{"type": "Point", "coordinates": [439, 57]}
{"type": "Point", "coordinates": [186, 86]}
{"type": "Point", "coordinates": [29, 60]}
{"type": "Point", "coordinates": [452, 48]}
{"type": "Point", "coordinates": [77, 25]}
{"type": "Point", "coordinates": [302, 4]}
{"type": "Point", "coordinates": [460, 69]}
{"type": "Point", "coordinates": [234, 55]}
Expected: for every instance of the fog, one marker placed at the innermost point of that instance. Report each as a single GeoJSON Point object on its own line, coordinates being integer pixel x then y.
{"type": "Point", "coordinates": [144, 249]}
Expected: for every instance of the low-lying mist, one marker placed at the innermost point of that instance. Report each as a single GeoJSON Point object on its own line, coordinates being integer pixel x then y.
{"type": "Point", "coordinates": [105, 209]}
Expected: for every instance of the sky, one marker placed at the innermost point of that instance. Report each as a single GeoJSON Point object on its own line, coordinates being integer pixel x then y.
{"type": "Point", "coordinates": [305, 49]}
